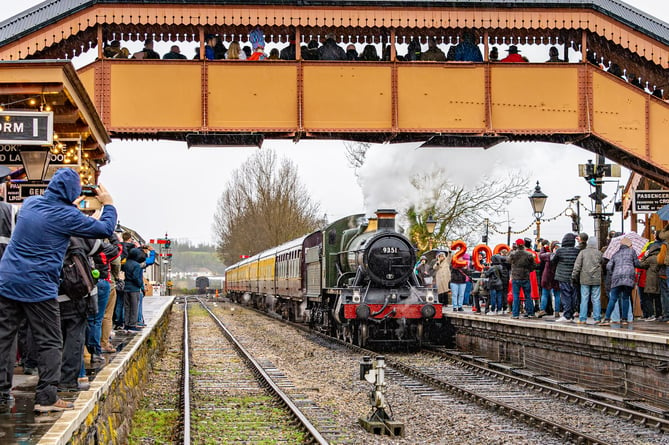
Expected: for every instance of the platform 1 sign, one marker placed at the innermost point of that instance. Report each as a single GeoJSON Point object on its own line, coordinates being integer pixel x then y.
{"type": "Point", "coordinates": [26, 127]}
{"type": "Point", "coordinates": [17, 193]}
{"type": "Point", "coordinates": [649, 201]}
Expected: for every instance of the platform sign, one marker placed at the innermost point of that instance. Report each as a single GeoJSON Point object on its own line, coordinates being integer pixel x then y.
{"type": "Point", "coordinates": [649, 201]}
{"type": "Point", "coordinates": [26, 127]}
{"type": "Point", "coordinates": [17, 193]}
{"type": "Point", "coordinates": [10, 157]}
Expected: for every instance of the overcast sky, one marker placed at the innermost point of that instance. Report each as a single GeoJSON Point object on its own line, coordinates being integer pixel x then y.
{"type": "Point", "coordinates": [163, 187]}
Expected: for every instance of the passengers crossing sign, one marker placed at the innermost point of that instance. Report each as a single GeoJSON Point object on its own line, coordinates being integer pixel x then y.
{"type": "Point", "coordinates": [649, 201]}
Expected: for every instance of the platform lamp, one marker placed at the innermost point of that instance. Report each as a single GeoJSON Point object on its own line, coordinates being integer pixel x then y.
{"type": "Point", "coordinates": [35, 162]}
{"type": "Point", "coordinates": [538, 202]}
{"type": "Point", "coordinates": [430, 226]}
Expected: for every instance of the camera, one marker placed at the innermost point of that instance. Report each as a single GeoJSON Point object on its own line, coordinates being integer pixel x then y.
{"type": "Point", "coordinates": [89, 190]}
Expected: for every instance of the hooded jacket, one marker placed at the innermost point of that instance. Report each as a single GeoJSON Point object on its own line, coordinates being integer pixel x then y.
{"type": "Point", "coordinates": [649, 262]}
{"type": "Point", "coordinates": [588, 266]}
{"type": "Point", "coordinates": [30, 267]}
{"type": "Point", "coordinates": [134, 274]}
{"type": "Point", "coordinates": [498, 279]}
{"type": "Point", "coordinates": [564, 258]}
{"type": "Point", "coordinates": [621, 267]}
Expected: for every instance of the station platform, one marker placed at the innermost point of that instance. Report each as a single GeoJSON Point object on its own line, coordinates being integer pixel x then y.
{"type": "Point", "coordinates": [93, 416]}
{"type": "Point", "coordinates": [630, 361]}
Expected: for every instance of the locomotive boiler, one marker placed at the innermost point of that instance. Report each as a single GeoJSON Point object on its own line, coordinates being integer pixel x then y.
{"type": "Point", "coordinates": [353, 279]}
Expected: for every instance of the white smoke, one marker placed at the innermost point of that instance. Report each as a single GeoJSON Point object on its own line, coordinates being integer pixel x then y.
{"type": "Point", "coordinates": [386, 175]}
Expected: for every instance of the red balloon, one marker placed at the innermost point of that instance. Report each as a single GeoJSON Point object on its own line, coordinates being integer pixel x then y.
{"type": "Point", "coordinates": [461, 248]}
{"type": "Point", "coordinates": [475, 253]}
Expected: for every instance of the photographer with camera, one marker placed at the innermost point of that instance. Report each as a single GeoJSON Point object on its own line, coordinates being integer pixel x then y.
{"type": "Point", "coordinates": [30, 277]}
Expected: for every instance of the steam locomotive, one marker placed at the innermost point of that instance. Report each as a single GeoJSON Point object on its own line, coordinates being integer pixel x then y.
{"type": "Point", "coordinates": [353, 279]}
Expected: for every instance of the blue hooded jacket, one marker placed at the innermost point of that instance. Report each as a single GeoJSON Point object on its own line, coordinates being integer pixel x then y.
{"type": "Point", "coordinates": [134, 274]}
{"type": "Point", "coordinates": [30, 268]}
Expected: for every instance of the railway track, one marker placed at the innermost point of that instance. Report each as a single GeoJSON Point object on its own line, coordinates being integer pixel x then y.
{"type": "Point", "coordinates": [553, 411]}
{"type": "Point", "coordinates": [228, 397]}
{"type": "Point", "coordinates": [560, 412]}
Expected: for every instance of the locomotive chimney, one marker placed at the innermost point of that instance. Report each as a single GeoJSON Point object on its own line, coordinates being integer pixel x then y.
{"type": "Point", "coordinates": [386, 219]}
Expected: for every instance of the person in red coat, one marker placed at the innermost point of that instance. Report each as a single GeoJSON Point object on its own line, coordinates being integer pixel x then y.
{"type": "Point", "coordinates": [513, 56]}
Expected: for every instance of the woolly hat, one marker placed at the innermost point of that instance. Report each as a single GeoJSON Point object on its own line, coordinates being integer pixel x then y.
{"type": "Point", "coordinates": [257, 38]}
{"type": "Point", "coordinates": [520, 242]}
{"type": "Point", "coordinates": [626, 242]}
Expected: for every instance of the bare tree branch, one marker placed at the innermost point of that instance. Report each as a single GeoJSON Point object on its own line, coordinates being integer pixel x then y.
{"type": "Point", "coordinates": [264, 204]}
{"type": "Point", "coordinates": [459, 210]}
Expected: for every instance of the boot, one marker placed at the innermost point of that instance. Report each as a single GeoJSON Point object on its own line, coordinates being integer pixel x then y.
{"type": "Point", "coordinates": [557, 315]}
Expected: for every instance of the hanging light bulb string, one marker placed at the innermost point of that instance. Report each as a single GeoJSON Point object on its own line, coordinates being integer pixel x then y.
{"type": "Point", "coordinates": [529, 226]}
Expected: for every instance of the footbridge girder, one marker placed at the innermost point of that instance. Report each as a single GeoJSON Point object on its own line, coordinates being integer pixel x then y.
{"type": "Point", "coordinates": [445, 104]}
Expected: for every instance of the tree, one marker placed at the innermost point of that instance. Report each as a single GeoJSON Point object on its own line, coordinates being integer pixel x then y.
{"type": "Point", "coordinates": [264, 204]}
{"type": "Point", "coordinates": [458, 210]}
{"type": "Point", "coordinates": [356, 153]}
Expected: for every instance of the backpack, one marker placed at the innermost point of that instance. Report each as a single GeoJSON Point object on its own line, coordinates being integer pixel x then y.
{"type": "Point", "coordinates": [76, 277]}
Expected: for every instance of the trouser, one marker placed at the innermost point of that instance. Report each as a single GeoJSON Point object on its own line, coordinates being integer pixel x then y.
{"type": "Point", "coordinates": [458, 292]}
{"type": "Point", "coordinates": [623, 294]}
{"type": "Point", "coordinates": [567, 298]}
{"type": "Point", "coordinates": [26, 345]}
{"type": "Point", "coordinates": [656, 305]}
{"type": "Point", "coordinates": [107, 320]}
{"type": "Point", "coordinates": [516, 286]}
{"type": "Point", "coordinates": [44, 320]}
{"type": "Point", "coordinates": [496, 300]}
{"type": "Point", "coordinates": [593, 293]}
{"type": "Point", "coordinates": [73, 327]}
{"type": "Point", "coordinates": [140, 305]}
{"type": "Point", "coordinates": [647, 308]}
{"type": "Point", "coordinates": [119, 310]}
{"type": "Point", "coordinates": [94, 328]}
{"type": "Point", "coordinates": [664, 295]}
{"type": "Point", "coordinates": [130, 308]}
{"type": "Point", "coordinates": [443, 298]}
{"type": "Point", "coordinates": [468, 291]}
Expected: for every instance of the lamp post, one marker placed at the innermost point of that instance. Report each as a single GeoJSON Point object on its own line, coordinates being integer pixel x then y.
{"type": "Point", "coordinates": [538, 202]}
{"type": "Point", "coordinates": [430, 225]}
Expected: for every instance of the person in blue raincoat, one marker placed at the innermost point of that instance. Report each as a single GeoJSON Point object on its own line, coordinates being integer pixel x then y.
{"type": "Point", "coordinates": [30, 277]}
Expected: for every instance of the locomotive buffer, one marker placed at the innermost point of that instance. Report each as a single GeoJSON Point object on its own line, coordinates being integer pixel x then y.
{"type": "Point", "coordinates": [379, 421]}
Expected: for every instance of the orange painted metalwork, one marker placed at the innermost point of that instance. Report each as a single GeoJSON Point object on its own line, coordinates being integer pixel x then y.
{"type": "Point", "coordinates": [533, 98]}
{"type": "Point", "coordinates": [344, 97]}
{"type": "Point", "coordinates": [155, 95]}
{"type": "Point", "coordinates": [432, 97]}
{"type": "Point", "coordinates": [658, 125]}
{"type": "Point", "coordinates": [619, 113]}
{"type": "Point", "coordinates": [245, 96]}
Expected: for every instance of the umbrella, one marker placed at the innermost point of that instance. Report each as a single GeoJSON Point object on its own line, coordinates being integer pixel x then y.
{"type": "Point", "coordinates": [663, 213]}
{"type": "Point", "coordinates": [638, 243]}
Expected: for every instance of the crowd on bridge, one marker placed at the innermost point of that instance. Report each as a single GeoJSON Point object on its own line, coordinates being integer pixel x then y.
{"type": "Point", "coordinates": [467, 49]}
{"type": "Point", "coordinates": [566, 280]}
{"type": "Point", "coordinates": [51, 329]}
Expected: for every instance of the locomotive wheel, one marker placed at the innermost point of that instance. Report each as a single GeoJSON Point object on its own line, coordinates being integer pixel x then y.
{"type": "Point", "coordinates": [363, 334]}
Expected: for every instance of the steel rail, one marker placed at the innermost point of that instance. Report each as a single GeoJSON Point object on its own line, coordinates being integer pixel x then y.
{"type": "Point", "coordinates": [272, 386]}
{"type": "Point", "coordinates": [559, 430]}
{"type": "Point", "coordinates": [641, 418]}
{"type": "Point", "coordinates": [186, 378]}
